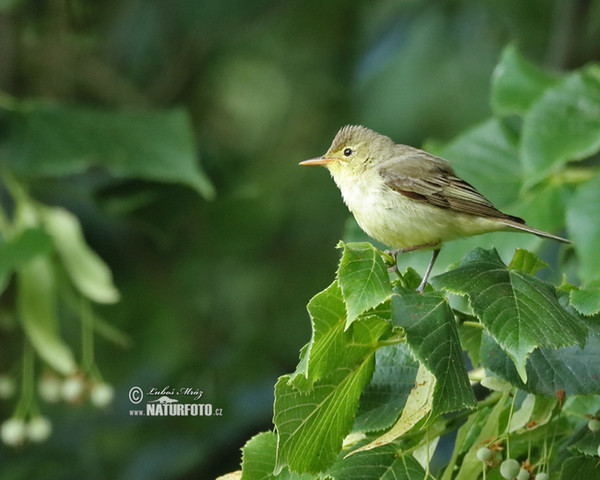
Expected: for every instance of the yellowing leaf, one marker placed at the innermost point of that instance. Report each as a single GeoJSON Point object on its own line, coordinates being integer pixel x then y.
{"type": "Point", "coordinates": [418, 406]}
{"type": "Point", "coordinates": [90, 275]}
{"type": "Point", "coordinates": [36, 299]}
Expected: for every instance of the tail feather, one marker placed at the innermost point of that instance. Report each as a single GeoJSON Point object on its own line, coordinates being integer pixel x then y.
{"type": "Point", "coordinates": [526, 228]}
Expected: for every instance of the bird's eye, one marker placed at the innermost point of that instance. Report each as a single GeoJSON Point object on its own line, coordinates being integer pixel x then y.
{"type": "Point", "coordinates": [347, 152]}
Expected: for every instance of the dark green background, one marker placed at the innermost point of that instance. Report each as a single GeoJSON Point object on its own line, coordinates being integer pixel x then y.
{"type": "Point", "coordinates": [214, 292]}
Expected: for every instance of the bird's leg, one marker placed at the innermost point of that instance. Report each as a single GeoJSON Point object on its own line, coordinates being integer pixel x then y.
{"type": "Point", "coordinates": [393, 254]}
{"type": "Point", "coordinates": [421, 287]}
{"type": "Point", "coordinates": [391, 260]}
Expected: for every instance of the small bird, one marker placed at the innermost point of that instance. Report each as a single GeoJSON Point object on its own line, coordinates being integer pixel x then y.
{"type": "Point", "coordinates": [409, 199]}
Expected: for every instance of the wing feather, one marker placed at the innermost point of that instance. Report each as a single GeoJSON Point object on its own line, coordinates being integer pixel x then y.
{"type": "Point", "coordinates": [426, 178]}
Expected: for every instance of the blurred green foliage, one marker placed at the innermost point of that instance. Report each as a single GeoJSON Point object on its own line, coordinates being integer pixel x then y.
{"type": "Point", "coordinates": [131, 114]}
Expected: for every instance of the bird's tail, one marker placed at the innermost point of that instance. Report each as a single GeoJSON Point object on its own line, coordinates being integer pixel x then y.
{"type": "Point", "coordinates": [526, 228]}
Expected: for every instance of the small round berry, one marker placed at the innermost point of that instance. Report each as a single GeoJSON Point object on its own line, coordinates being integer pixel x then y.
{"type": "Point", "coordinates": [12, 432]}
{"type": "Point", "coordinates": [509, 468]}
{"type": "Point", "coordinates": [523, 475]}
{"type": "Point", "coordinates": [102, 394]}
{"type": "Point", "coordinates": [72, 389]}
{"type": "Point", "coordinates": [594, 425]}
{"type": "Point", "coordinates": [484, 454]}
{"type": "Point", "coordinates": [50, 388]}
{"type": "Point", "coordinates": [542, 476]}
{"type": "Point", "coordinates": [38, 429]}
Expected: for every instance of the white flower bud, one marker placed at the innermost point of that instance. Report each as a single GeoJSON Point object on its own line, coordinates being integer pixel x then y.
{"type": "Point", "coordinates": [12, 432]}
{"type": "Point", "coordinates": [39, 429]}
{"type": "Point", "coordinates": [50, 388]}
{"type": "Point", "coordinates": [102, 394]}
{"type": "Point", "coordinates": [72, 389]}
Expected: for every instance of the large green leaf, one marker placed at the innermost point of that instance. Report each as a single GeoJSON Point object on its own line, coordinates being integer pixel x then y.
{"type": "Point", "coordinates": [311, 426]}
{"type": "Point", "coordinates": [585, 441]}
{"type": "Point", "coordinates": [60, 140]}
{"type": "Point", "coordinates": [432, 336]}
{"type": "Point", "coordinates": [520, 311]}
{"type": "Point", "coordinates": [586, 300]}
{"type": "Point", "coordinates": [363, 278]}
{"type": "Point", "coordinates": [382, 400]}
{"type": "Point", "coordinates": [258, 460]}
{"type": "Point", "coordinates": [517, 83]}
{"type": "Point", "coordinates": [580, 468]}
{"type": "Point", "coordinates": [583, 221]}
{"type": "Point", "coordinates": [549, 370]}
{"type": "Point", "coordinates": [563, 125]}
{"type": "Point", "coordinates": [383, 463]}
{"type": "Point", "coordinates": [331, 345]}
{"type": "Point", "coordinates": [328, 317]}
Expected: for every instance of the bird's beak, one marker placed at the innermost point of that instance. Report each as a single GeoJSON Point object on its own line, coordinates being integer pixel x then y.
{"type": "Point", "coordinates": [317, 161]}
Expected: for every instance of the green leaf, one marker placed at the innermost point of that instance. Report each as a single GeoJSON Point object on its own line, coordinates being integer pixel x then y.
{"type": "Point", "coordinates": [315, 407]}
{"type": "Point", "coordinates": [549, 370]}
{"type": "Point", "coordinates": [418, 406]}
{"type": "Point", "coordinates": [432, 336]}
{"type": "Point", "coordinates": [563, 125]}
{"type": "Point", "coordinates": [517, 83]}
{"type": "Point", "coordinates": [585, 300]}
{"type": "Point", "coordinates": [90, 275]}
{"type": "Point", "coordinates": [384, 463]}
{"type": "Point", "coordinates": [21, 248]}
{"type": "Point", "coordinates": [328, 317]}
{"type": "Point", "coordinates": [331, 346]}
{"type": "Point", "coordinates": [543, 206]}
{"type": "Point", "coordinates": [583, 222]}
{"type": "Point", "coordinates": [311, 426]}
{"type": "Point", "coordinates": [580, 468]}
{"type": "Point", "coordinates": [36, 303]}
{"type": "Point", "coordinates": [542, 411]}
{"type": "Point", "coordinates": [258, 460]}
{"type": "Point", "coordinates": [585, 441]}
{"type": "Point", "coordinates": [258, 456]}
{"type": "Point", "coordinates": [470, 339]}
{"type": "Point", "coordinates": [526, 262]}
{"type": "Point", "coordinates": [363, 278]}
{"type": "Point", "coordinates": [520, 311]}
{"type": "Point", "coordinates": [522, 414]}
{"type": "Point", "coordinates": [382, 400]}
{"type": "Point", "coordinates": [488, 155]}
{"type": "Point", "coordinates": [59, 140]}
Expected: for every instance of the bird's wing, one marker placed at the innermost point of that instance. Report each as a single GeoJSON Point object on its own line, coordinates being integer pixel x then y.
{"type": "Point", "coordinates": [429, 179]}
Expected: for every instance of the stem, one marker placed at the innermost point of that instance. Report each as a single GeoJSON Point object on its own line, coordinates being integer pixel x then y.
{"type": "Point", "coordinates": [427, 452]}
{"type": "Point", "coordinates": [87, 336]}
{"type": "Point", "coordinates": [469, 323]}
{"type": "Point", "coordinates": [512, 408]}
{"type": "Point", "coordinates": [27, 386]}
{"type": "Point", "coordinates": [392, 341]}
